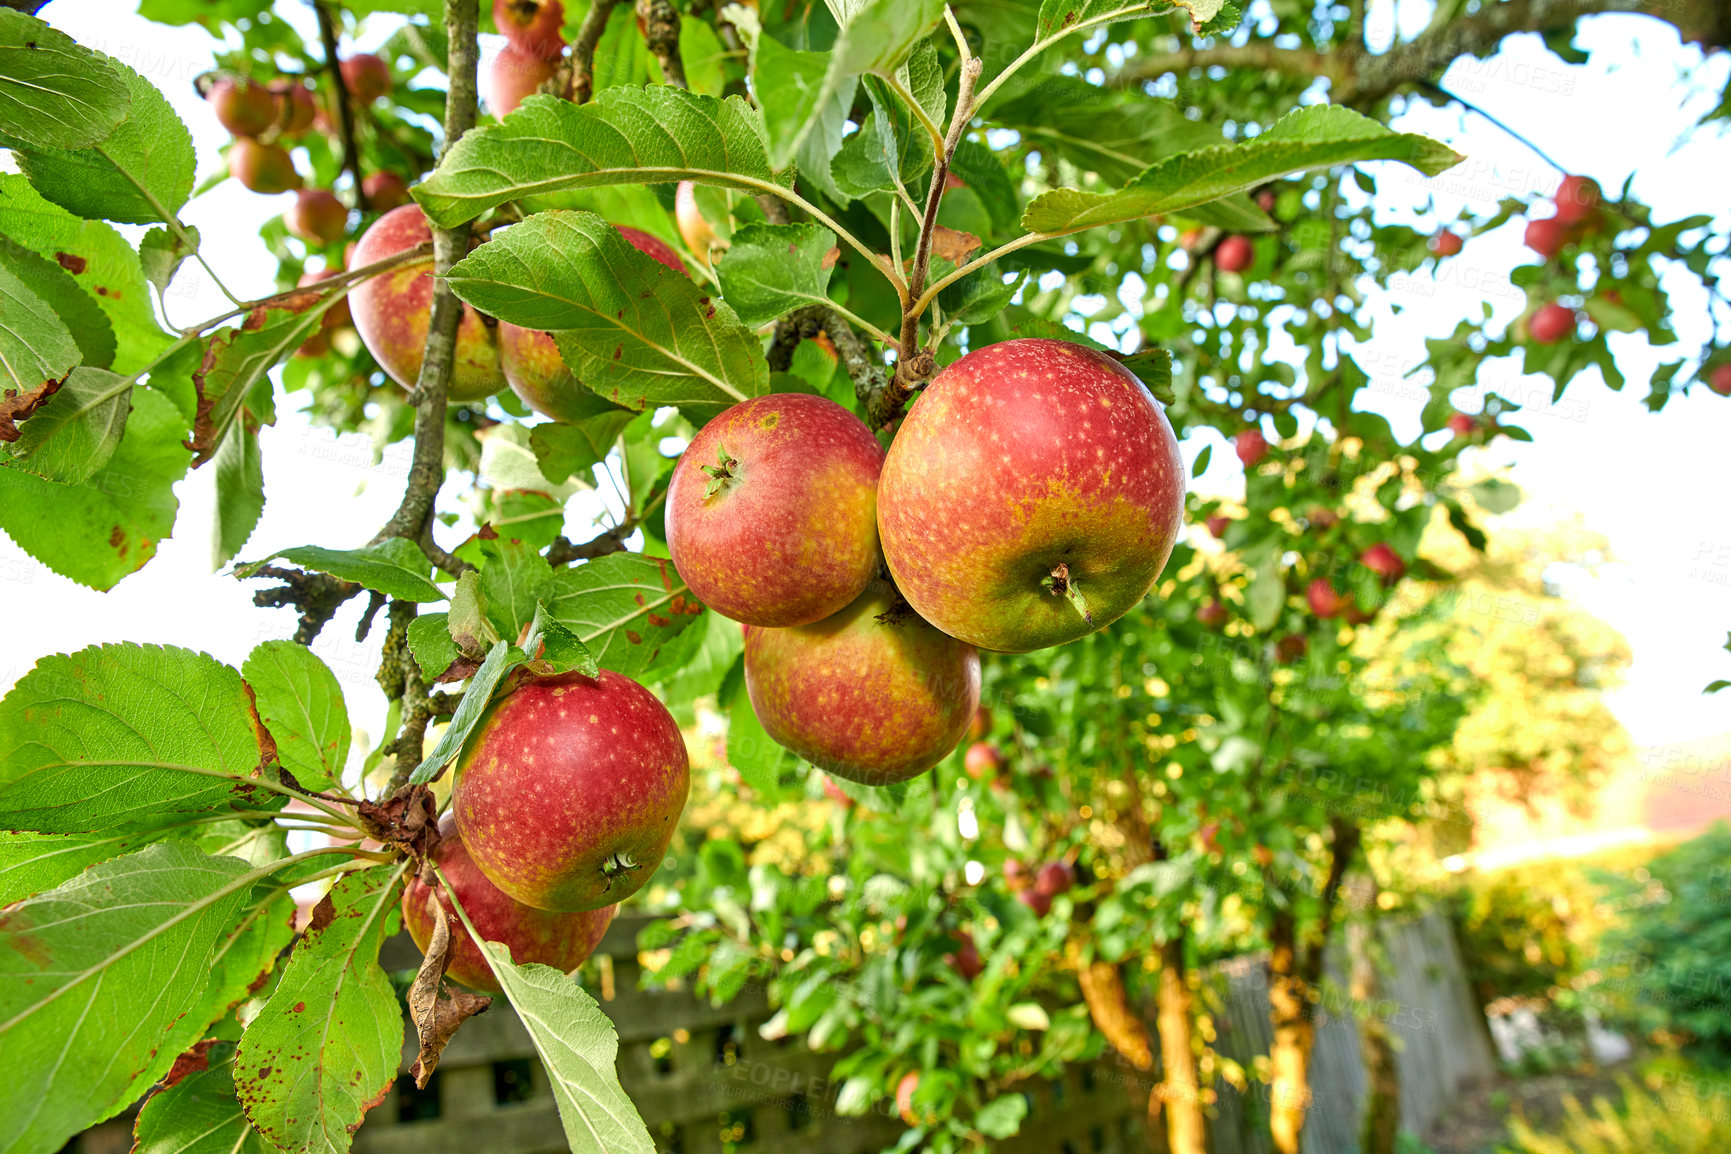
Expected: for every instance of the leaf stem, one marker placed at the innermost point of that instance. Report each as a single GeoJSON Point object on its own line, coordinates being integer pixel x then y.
{"type": "Point", "coordinates": [168, 218]}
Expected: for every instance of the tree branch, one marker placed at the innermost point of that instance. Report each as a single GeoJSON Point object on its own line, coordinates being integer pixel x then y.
{"type": "Point", "coordinates": [583, 50]}
{"type": "Point", "coordinates": [345, 103]}
{"type": "Point", "coordinates": [318, 596]}
{"type": "Point", "coordinates": [1343, 848]}
{"type": "Point", "coordinates": [871, 383]}
{"type": "Point", "coordinates": [661, 33]}
{"type": "Point", "coordinates": [564, 551]}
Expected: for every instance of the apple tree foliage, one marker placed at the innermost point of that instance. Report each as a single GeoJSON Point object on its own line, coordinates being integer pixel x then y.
{"type": "Point", "coordinates": [906, 178]}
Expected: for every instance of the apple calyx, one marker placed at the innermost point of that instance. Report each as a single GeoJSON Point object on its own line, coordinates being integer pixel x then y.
{"type": "Point", "coordinates": [616, 866]}
{"type": "Point", "coordinates": [721, 474]}
{"type": "Point", "coordinates": [1062, 584]}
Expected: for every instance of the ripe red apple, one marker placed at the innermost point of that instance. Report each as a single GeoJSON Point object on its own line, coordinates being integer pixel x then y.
{"type": "Point", "coordinates": [531, 359]}
{"type": "Point", "coordinates": [1720, 380]}
{"type": "Point", "coordinates": [512, 76]}
{"type": "Point", "coordinates": [981, 725]}
{"type": "Point", "coordinates": [262, 167]}
{"type": "Point", "coordinates": [392, 310]}
{"type": "Point", "coordinates": [532, 26]}
{"type": "Point", "coordinates": [317, 216]}
{"type": "Point", "coordinates": [1054, 878]}
{"type": "Point", "coordinates": [1547, 236]}
{"type": "Point", "coordinates": [694, 229]}
{"type": "Point", "coordinates": [1384, 562]}
{"type": "Point", "coordinates": [872, 694]}
{"type": "Point", "coordinates": [1463, 425]}
{"type": "Point", "coordinates": [1212, 615]}
{"type": "Point", "coordinates": [1551, 324]}
{"type": "Point", "coordinates": [563, 941]}
{"type": "Point", "coordinates": [1445, 243]}
{"type": "Point", "coordinates": [1266, 200]}
{"type": "Point", "coordinates": [1291, 648]}
{"type": "Point", "coordinates": [982, 759]}
{"type": "Point", "coordinates": [1324, 601]}
{"type": "Point", "coordinates": [338, 315]}
{"type": "Point", "coordinates": [385, 191]}
{"type": "Point", "coordinates": [570, 790]}
{"type": "Point", "coordinates": [1040, 903]}
{"type": "Point", "coordinates": [772, 510]}
{"type": "Point", "coordinates": [966, 959]}
{"type": "Point", "coordinates": [1218, 524]}
{"type": "Point", "coordinates": [905, 1098]}
{"type": "Point", "coordinates": [366, 76]}
{"type": "Point", "coordinates": [295, 107]}
{"type": "Point", "coordinates": [1234, 254]}
{"type": "Point", "coordinates": [1032, 495]}
{"type": "Point", "coordinates": [1251, 446]}
{"type": "Point", "coordinates": [1576, 198]}
{"type": "Point", "coordinates": [242, 107]}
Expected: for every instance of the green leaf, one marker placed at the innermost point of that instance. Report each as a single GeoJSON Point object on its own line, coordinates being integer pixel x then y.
{"type": "Point", "coordinates": [772, 269]}
{"type": "Point", "coordinates": [326, 1046]}
{"type": "Point", "coordinates": [1266, 596]}
{"type": "Point", "coordinates": [624, 136]}
{"type": "Point", "coordinates": [237, 359]}
{"type": "Point", "coordinates": [756, 755]}
{"type": "Point", "coordinates": [565, 449]}
{"type": "Point", "coordinates": [625, 607]}
{"type": "Point", "coordinates": [76, 432]}
{"type": "Point", "coordinates": [430, 642]}
{"type": "Point", "coordinates": [239, 492]}
{"type": "Point", "coordinates": [199, 1114]}
{"type": "Point", "coordinates": [890, 147]}
{"type": "Point", "coordinates": [705, 57]}
{"type": "Point", "coordinates": [978, 167]}
{"type": "Point", "coordinates": [126, 737]}
{"type": "Point", "coordinates": [631, 329]}
{"type": "Point", "coordinates": [514, 579]}
{"type": "Point", "coordinates": [552, 648]}
{"type": "Point", "coordinates": [35, 346]}
{"type": "Point", "coordinates": [621, 55]}
{"type": "Point", "coordinates": [1317, 137]}
{"type": "Point", "coordinates": [140, 173]}
{"type": "Point", "coordinates": [499, 661]}
{"type": "Point", "coordinates": [1061, 16]}
{"type": "Point", "coordinates": [977, 297]}
{"type": "Point", "coordinates": [1002, 1116]}
{"type": "Point", "coordinates": [99, 260]}
{"type": "Point", "coordinates": [301, 704]}
{"type": "Point", "coordinates": [90, 327]}
{"type": "Point", "coordinates": [95, 978]}
{"type": "Point", "coordinates": [1202, 459]}
{"type": "Point", "coordinates": [1496, 496]}
{"type": "Point", "coordinates": [579, 1049]}
{"type": "Point", "coordinates": [162, 252]}
{"type": "Point", "coordinates": [1103, 130]}
{"type": "Point", "coordinates": [54, 92]}
{"type": "Point", "coordinates": [394, 567]}
{"type": "Point", "coordinates": [33, 862]}
{"type": "Point", "coordinates": [108, 526]}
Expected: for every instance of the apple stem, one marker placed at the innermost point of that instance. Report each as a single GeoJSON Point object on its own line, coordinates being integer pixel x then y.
{"type": "Point", "coordinates": [1061, 583]}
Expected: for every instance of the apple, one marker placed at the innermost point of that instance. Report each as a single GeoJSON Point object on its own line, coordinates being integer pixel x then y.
{"type": "Point", "coordinates": [532, 26]}
{"type": "Point", "coordinates": [366, 76]}
{"type": "Point", "coordinates": [1040, 903]}
{"type": "Point", "coordinates": [512, 76]}
{"type": "Point", "coordinates": [1445, 243]}
{"type": "Point", "coordinates": [1576, 198]}
{"type": "Point", "coordinates": [1551, 324]}
{"type": "Point", "coordinates": [1016, 875]}
{"type": "Point", "coordinates": [1212, 615]}
{"type": "Point", "coordinates": [317, 216]}
{"type": "Point", "coordinates": [1208, 834]}
{"type": "Point", "coordinates": [872, 694]}
{"type": "Point", "coordinates": [563, 941]}
{"type": "Point", "coordinates": [965, 961]}
{"type": "Point", "coordinates": [981, 725]}
{"type": "Point", "coordinates": [570, 790]}
{"type": "Point", "coordinates": [295, 108]}
{"type": "Point", "coordinates": [1463, 425]}
{"type": "Point", "coordinates": [1324, 601]}
{"type": "Point", "coordinates": [982, 759]}
{"type": "Point", "coordinates": [772, 510]}
{"type": "Point", "coordinates": [1218, 524]}
{"type": "Point", "coordinates": [1251, 446]}
{"type": "Point", "coordinates": [262, 167]}
{"type": "Point", "coordinates": [1384, 562]}
{"type": "Point", "coordinates": [531, 360]}
{"type": "Point", "coordinates": [1546, 236]}
{"type": "Point", "coordinates": [392, 310]}
{"type": "Point", "coordinates": [338, 315]}
{"type": "Point", "coordinates": [385, 191]}
{"type": "Point", "coordinates": [1054, 878]}
{"type": "Point", "coordinates": [1234, 254]}
{"type": "Point", "coordinates": [1291, 648]}
{"type": "Point", "coordinates": [1266, 200]}
{"type": "Point", "coordinates": [1032, 495]}
{"type": "Point", "coordinates": [1720, 380]}
{"type": "Point", "coordinates": [905, 1098]}
{"type": "Point", "coordinates": [242, 107]}
{"type": "Point", "coordinates": [694, 229]}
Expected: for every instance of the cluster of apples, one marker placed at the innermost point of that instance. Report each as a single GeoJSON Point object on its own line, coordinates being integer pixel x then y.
{"type": "Point", "coordinates": [1036, 889]}
{"type": "Point", "coordinates": [562, 806]}
{"type": "Point", "coordinates": [534, 46]}
{"type": "Point", "coordinates": [1031, 496]}
{"type": "Point", "coordinates": [1576, 212]}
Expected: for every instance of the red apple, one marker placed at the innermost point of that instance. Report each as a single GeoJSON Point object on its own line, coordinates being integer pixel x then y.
{"type": "Point", "coordinates": [1031, 496]}
{"type": "Point", "coordinates": [570, 790]}
{"type": "Point", "coordinates": [1054, 878]}
{"type": "Point", "coordinates": [1040, 903]}
{"type": "Point", "coordinates": [1234, 254]}
{"type": "Point", "coordinates": [1016, 875]}
{"type": "Point", "coordinates": [338, 315]}
{"type": "Point", "coordinates": [262, 167]}
{"type": "Point", "coordinates": [317, 216]}
{"type": "Point", "coordinates": [295, 107]}
{"type": "Point", "coordinates": [513, 76]}
{"type": "Point", "coordinates": [1218, 524]}
{"type": "Point", "coordinates": [1291, 648]}
{"type": "Point", "coordinates": [1445, 243]}
{"type": "Point", "coordinates": [1546, 237]}
{"type": "Point", "coordinates": [532, 26]}
{"type": "Point", "coordinates": [872, 694]}
{"type": "Point", "coordinates": [1324, 601]}
{"type": "Point", "coordinates": [772, 510]}
{"type": "Point", "coordinates": [1551, 324]}
{"type": "Point", "coordinates": [1384, 562]}
{"type": "Point", "coordinates": [366, 76]}
{"type": "Point", "coordinates": [1720, 380]}
{"type": "Point", "coordinates": [1463, 425]}
{"type": "Point", "coordinates": [531, 359]}
{"type": "Point", "coordinates": [563, 941]}
{"type": "Point", "coordinates": [1212, 615]}
{"type": "Point", "coordinates": [694, 229]}
{"type": "Point", "coordinates": [905, 1097]}
{"type": "Point", "coordinates": [981, 725]}
{"type": "Point", "coordinates": [1266, 200]}
{"type": "Point", "coordinates": [385, 191]}
{"type": "Point", "coordinates": [966, 959]}
{"type": "Point", "coordinates": [242, 107]}
{"type": "Point", "coordinates": [982, 759]}
{"type": "Point", "coordinates": [392, 311]}
{"type": "Point", "coordinates": [1251, 446]}
{"type": "Point", "coordinates": [1576, 198]}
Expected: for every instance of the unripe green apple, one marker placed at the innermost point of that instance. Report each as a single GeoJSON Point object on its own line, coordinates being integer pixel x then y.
{"type": "Point", "coordinates": [1032, 495]}
{"type": "Point", "coordinates": [242, 107]}
{"type": "Point", "coordinates": [873, 694]}
{"type": "Point", "coordinates": [317, 216]}
{"type": "Point", "coordinates": [392, 311]}
{"type": "Point", "coordinates": [262, 167]}
{"type": "Point", "coordinates": [772, 510]}
{"type": "Point", "coordinates": [570, 790]}
{"type": "Point", "coordinates": [563, 941]}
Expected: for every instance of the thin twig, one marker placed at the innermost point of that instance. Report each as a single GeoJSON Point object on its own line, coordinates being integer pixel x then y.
{"type": "Point", "coordinates": [583, 50]}
{"type": "Point", "coordinates": [661, 32]}
{"type": "Point", "coordinates": [345, 102]}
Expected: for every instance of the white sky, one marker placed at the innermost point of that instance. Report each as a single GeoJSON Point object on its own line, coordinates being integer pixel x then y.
{"type": "Point", "coordinates": [1654, 485]}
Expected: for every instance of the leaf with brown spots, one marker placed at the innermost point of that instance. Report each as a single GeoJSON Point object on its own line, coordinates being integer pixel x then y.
{"type": "Point", "coordinates": [620, 607]}
{"type": "Point", "coordinates": [238, 358]}
{"type": "Point", "coordinates": [36, 347]}
{"type": "Point", "coordinates": [18, 405]}
{"type": "Point", "coordinates": [199, 1114]}
{"type": "Point", "coordinates": [438, 1010]}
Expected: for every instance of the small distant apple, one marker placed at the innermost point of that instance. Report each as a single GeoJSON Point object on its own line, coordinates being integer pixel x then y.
{"type": "Point", "coordinates": [1546, 236]}
{"type": "Point", "coordinates": [1384, 562]}
{"type": "Point", "coordinates": [1323, 600]}
{"type": "Point", "coordinates": [1054, 878]}
{"type": "Point", "coordinates": [1234, 254]}
{"type": "Point", "coordinates": [1321, 518]}
{"type": "Point", "coordinates": [1576, 198]}
{"type": "Point", "coordinates": [1039, 902]}
{"type": "Point", "coordinates": [1551, 324]}
{"type": "Point", "coordinates": [1251, 446]}
{"type": "Point", "coordinates": [981, 725]}
{"type": "Point", "coordinates": [1291, 648]}
{"type": "Point", "coordinates": [965, 961]}
{"type": "Point", "coordinates": [982, 759]}
{"type": "Point", "coordinates": [366, 76]}
{"type": "Point", "coordinates": [1212, 615]}
{"type": "Point", "coordinates": [1463, 425]}
{"type": "Point", "coordinates": [1445, 243]}
{"type": "Point", "coordinates": [1720, 380]}
{"type": "Point", "coordinates": [1218, 524]}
